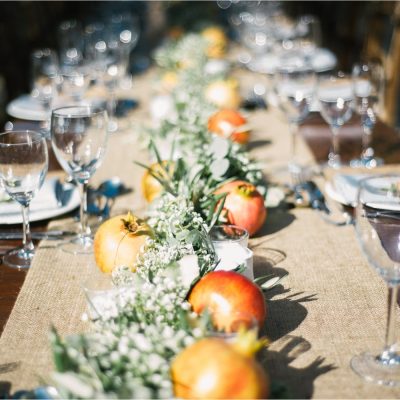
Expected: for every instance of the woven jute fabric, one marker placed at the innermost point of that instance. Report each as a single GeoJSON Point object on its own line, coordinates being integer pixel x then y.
{"type": "Point", "coordinates": [331, 306]}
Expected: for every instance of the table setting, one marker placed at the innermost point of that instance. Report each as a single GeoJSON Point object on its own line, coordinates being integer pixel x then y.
{"type": "Point", "coordinates": [193, 247]}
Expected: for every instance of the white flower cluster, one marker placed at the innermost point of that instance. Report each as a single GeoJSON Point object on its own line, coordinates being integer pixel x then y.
{"type": "Point", "coordinates": [129, 352]}
{"type": "Point", "coordinates": [187, 52]}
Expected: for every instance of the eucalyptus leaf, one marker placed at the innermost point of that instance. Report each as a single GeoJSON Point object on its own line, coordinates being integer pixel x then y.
{"type": "Point", "coordinates": [219, 147]}
{"type": "Point", "coordinates": [219, 168]}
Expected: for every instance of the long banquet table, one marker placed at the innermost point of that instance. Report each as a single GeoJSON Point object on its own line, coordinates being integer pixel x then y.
{"type": "Point", "coordinates": [331, 306]}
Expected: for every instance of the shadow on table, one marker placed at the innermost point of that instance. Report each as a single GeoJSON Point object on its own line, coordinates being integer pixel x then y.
{"type": "Point", "coordinates": [266, 261]}
{"type": "Point", "coordinates": [258, 143]}
{"type": "Point", "coordinates": [277, 219]}
{"type": "Point", "coordinates": [293, 382]}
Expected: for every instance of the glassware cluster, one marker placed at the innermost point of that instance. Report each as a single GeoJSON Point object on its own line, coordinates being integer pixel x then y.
{"type": "Point", "coordinates": [97, 54]}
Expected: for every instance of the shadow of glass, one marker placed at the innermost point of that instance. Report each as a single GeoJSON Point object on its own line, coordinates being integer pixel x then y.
{"type": "Point", "coordinates": [257, 143]}
{"type": "Point", "coordinates": [265, 262]}
{"type": "Point", "coordinates": [298, 382]}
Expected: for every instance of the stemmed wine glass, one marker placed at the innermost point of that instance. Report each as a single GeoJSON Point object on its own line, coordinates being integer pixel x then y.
{"type": "Point", "coordinates": [367, 84]}
{"type": "Point", "coordinates": [79, 137]}
{"type": "Point", "coordinates": [23, 167]}
{"type": "Point", "coordinates": [45, 70]}
{"type": "Point", "coordinates": [335, 97]}
{"type": "Point", "coordinates": [378, 232]}
{"type": "Point", "coordinates": [123, 33]}
{"type": "Point", "coordinates": [294, 86]}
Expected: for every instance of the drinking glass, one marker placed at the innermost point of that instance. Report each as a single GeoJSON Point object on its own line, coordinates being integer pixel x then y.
{"type": "Point", "coordinates": [308, 33]}
{"type": "Point", "coordinates": [295, 83]}
{"type": "Point", "coordinates": [336, 100]}
{"type": "Point", "coordinates": [123, 32]}
{"type": "Point", "coordinates": [79, 137]}
{"type": "Point", "coordinates": [368, 79]}
{"type": "Point", "coordinates": [23, 167]}
{"type": "Point", "coordinates": [70, 40]}
{"type": "Point", "coordinates": [110, 68]}
{"type": "Point", "coordinates": [75, 81]}
{"type": "Point", "coordinates": [44, 79]}
{"type": "Point", "coordinates": [378, 233]}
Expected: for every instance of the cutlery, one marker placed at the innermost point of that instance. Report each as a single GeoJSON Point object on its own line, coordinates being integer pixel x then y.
{"type": "Point", "coordinates": [383, 214]}
{"type": "Point", "coordinates": [317, 199]}
{"type": "Point", "coordinates": [317, 202]}
{"type": "Point", "coordinates": [49, 235]}
{"type": "Point", "coordinates": [64, 191]}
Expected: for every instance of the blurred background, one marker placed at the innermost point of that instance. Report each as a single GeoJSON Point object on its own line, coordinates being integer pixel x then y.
{"type": "Point", "coordinates": [350, 29]}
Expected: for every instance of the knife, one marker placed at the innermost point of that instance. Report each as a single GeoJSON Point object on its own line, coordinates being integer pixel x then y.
{"type": "Point", "coordinates": [49, 235]}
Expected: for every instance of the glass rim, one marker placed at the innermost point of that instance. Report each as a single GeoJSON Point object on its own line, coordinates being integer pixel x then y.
{"type": "Point", "coordinates": [91, 110]}
{"type": "Point", "coordinates": [363, 184]}
{"type": "Point", "coordinates": [39, 138]}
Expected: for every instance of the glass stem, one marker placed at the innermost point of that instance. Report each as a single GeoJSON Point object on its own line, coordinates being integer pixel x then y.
{"type": "Point", "coordinates": [293, 127]}
{"type": "Point", "coordinates": [27, 238]}
{"type": "Point", "coordinates": [84, 227]}
{"type": "Point", "coordinates": [390, 338]}
{"type": "Point", "coordinates": [367, 151]}
{"type": "Point", "coordinates": [335, 141]}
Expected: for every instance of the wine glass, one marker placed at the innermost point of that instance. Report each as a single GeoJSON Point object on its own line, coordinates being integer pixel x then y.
{"type": "Point", "coordinates": [308, 33]}
{"type": "Point", "coordinates": [110, 68]}
{"type": "Point", "coordinates": [79, 137]}
{"type": "Point", "coordinates": [295, 83]}
{"type": "Point", "coordinates": [75, 81]}
{"type": "Point", "coordinates": [44, 79]}
{"type": "Point", "coordinates": [23, 167]}
{"type": "Point", "coordinates": [336, 99]}
{"type": "Point", "coordinates": [123, 33]}
{"type": "Point", "coordinates": [378, 233]}
{"type": "Point", "coordinates": [70, 40]}
{"type": "Point", "coordinates": [368, 81]}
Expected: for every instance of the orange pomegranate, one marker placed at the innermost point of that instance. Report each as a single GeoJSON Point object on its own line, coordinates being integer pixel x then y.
{"type": "Point", "coordinates": [223, 93]}
{"type": "Point", "coordinates": [217, 41]}
{"type": "Point", "coordinates": [228, 296]}
{"type": "Point", "coordinates": [151, 187]}
{"type": "Point", "coordinates": [229, 124]}
{"type": "Point", "coordinates": [244, 205]}
{"type": "Point", "coordinates": [118, 241]}
{"type": "Point", "coordinates": [214, 369]}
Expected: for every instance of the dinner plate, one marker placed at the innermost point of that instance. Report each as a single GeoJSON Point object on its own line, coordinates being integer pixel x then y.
{"type": "Point", "coordinates": [43, 206]}
{"type": "Point", "coordinates": [28, 108]}
{"type": "Point", "coordinates": [321, 60]}
{"type": "Point", "coordinates": [344, 189]}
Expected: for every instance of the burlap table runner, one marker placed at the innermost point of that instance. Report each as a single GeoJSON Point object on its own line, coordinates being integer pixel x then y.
{"type": "Point", "coordinates": [331, 306]}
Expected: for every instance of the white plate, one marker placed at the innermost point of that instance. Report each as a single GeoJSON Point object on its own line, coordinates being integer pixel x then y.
{"type": "Point", "coordinates": [344, 189]}
{"type": "Point", "coordinates": [43, 206]}
{"type": "Point", "coordinates": [26, 107]}
{"type": "Point", "coordinates": [321, 59]}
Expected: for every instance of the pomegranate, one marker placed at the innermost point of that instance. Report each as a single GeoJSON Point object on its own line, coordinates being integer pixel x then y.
{"type": "Point", "coordinates": [223, 93]}
{"type": "Point", "coordinates": [244, 205]}
{"type": "Point", "coordinates": [118, 241]}
{"type": "Point", "coordinates": [229, 124]}
{"type": "Point", "coordinates": [229, 297]}
{"type": "Point", "coordinates": [151, 187]}
{"type": "Point", "coordinates": [214, 369]}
